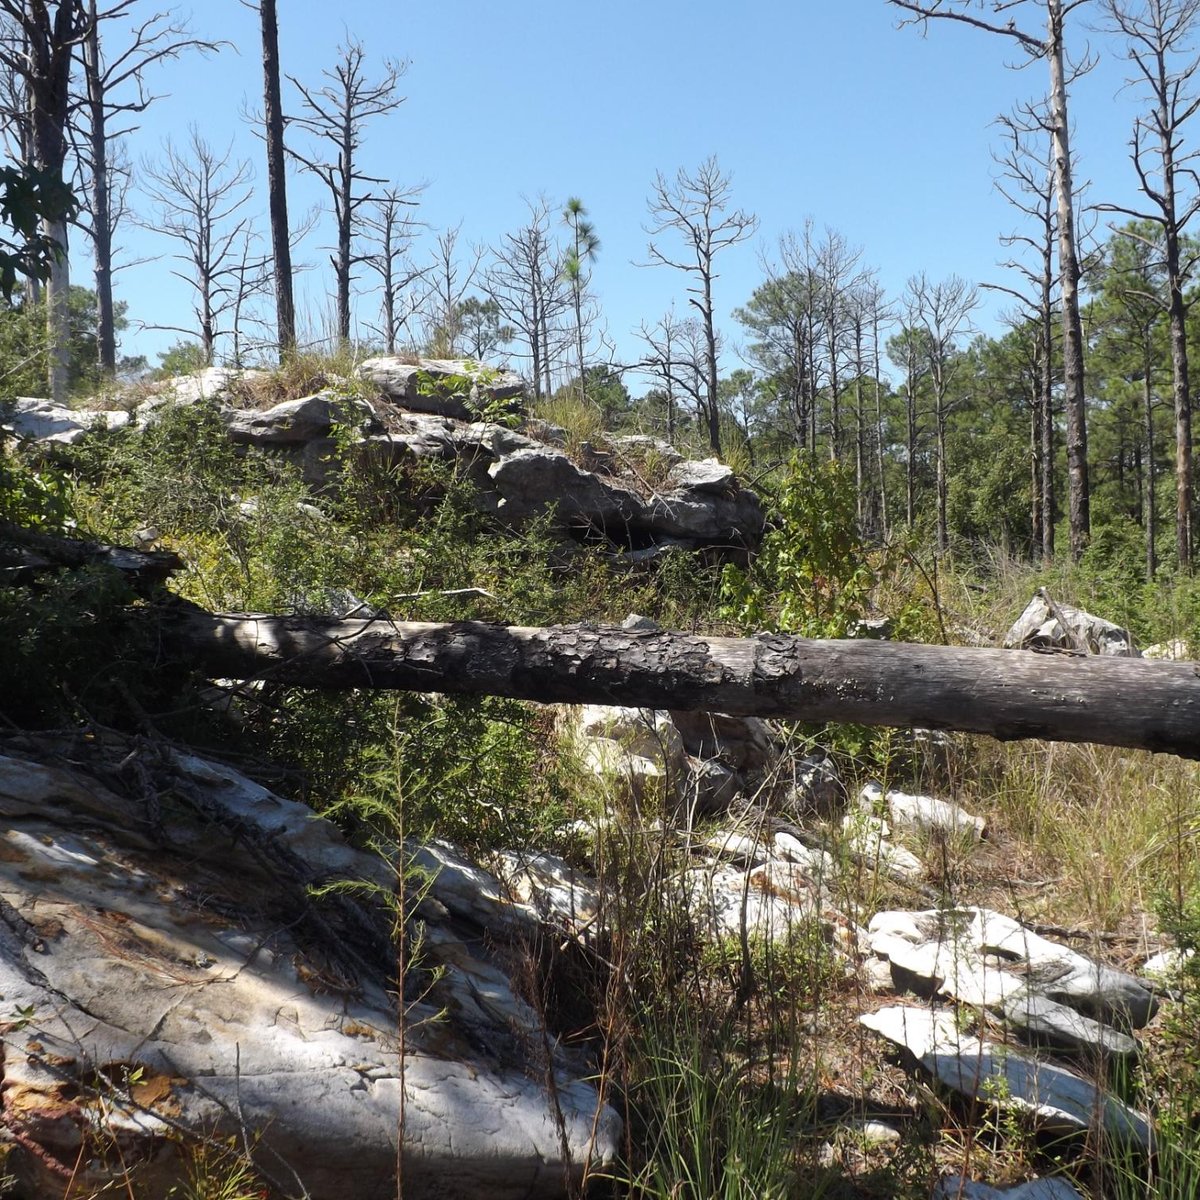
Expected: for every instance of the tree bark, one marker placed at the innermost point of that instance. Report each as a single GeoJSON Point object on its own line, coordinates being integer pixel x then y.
{"type": "Point", "coordinates": [285, 309]}
{"type": "Point", "coordinates": [1079, 507]}
{"type": "Point", "coordinates": [106, 336]}
{"type": "Point", "coordinates": [1009, 694]}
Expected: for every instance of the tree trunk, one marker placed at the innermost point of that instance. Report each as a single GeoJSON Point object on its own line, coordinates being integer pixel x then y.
{"type": "Point", "coordinates": [1073, 374]}
{"type": "Point", "coordinates": [1049, 513]}
{"type": "Point", "coordinates": [943, 527]}
{"type": "Point", "coordinates": [1177, 315]}
{"type": "Point", "coordinates": [285, 309]}
{"type": "Point", "coordinates": [106, 335]}
{"type": "Point", "coordinates": [710, 363]}
{"type": "Point", "coordinates": [1008, 694]}
{"type": "Point", "coordinates": [1148, 488]}
{"type": "Point", "coordinates": [1035, 477]}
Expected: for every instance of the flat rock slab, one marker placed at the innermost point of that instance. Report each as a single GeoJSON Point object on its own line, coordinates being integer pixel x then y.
{"type": "Point", "coordinates": [958, 1187]}
{"type": "Point", "coordinates": [987, 959]}
{"type": "Point", "coordinates": [926, 814]}
{"type": "Point", "coordinates": [44, 421]}
{"type": "Point", "coordinates": [1056, 1099]}
{"type": "Point", "coordinates": [173, 984]}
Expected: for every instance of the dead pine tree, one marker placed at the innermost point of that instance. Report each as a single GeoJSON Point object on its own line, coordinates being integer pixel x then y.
{"type": "Point", "coordinates": [114, 95]}
{"type": "Point", "coordinates": [1160, 46]}
{"type": "Point", "coordinates": [694, 208]}
{"type": "Point", "coordinates": [200, 195]}
{"type": "Point", "coordinates": [1047, 45]}
{"type": "Point", "coordinates": [335, 115]}
{"type": "Point", "coordinates": [1027, 183]}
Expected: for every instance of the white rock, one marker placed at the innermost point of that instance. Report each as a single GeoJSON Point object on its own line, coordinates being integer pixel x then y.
{"type": "Point", "coordinates": [176, 958]}
{"type": "Point", "coordinates": [989, 1072]}
{"type": "Point", "coordinates": [867, 840]}
{"type": "Point", "coordinates": [1176, 650]}
{"type": "Point", "coordinates": [44, 421]}
{"type": "Point", "coordinates": [990, 960]}
{"type": "Point", "coordinates": [924, 813]}
{"type": "Point", "coordinates": [1038, 628]}
{"type": "Point", "coordinates": [1166, 964]}
{"type": "Point", "coordinates": [959, 1187]}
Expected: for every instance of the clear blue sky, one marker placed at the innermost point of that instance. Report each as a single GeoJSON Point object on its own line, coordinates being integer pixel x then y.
{"type": "Point", "coordinates": [818, 108]}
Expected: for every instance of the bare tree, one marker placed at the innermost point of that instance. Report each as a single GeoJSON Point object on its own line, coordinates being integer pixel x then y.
{"type": "Point", "coordinates": [200, 196]}
{"type": "Point", "coordinates": [448, 280]}
{"type": "Point", "coordinates": [336, 115]}
{"type": "Point", "coordinates": [677, 356]}
{"type": "Point", "coordinates": [942, 311]}
{"type": "Point", "coordinates": [1159, 44]}
{"type": "Point", "coordinates": [114, 88]}
{"type": "Point", "coordinates": [273, 123]}
{"type": "Point", "coordinates": [1048, 46]}
{"type": "Point", "coordinates": [525, 278]}
{"type": "Point", "coordinates": [694, 207]}
{"type": "Point", "coordinates": [1027, 183]}
{"type": "Point", "coordinates": [390, 230]}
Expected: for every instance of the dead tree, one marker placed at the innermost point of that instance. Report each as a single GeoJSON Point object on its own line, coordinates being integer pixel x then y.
{"type": "Point", "coordinates": [942, 311]}
{"type": "Point", "coordinates": [389, 231]}
{"type": "Point", "coordinates": [1008, 694]}
{"type": "Point", "coordinates": [1159, 44]}
{"type": "Point", "coordinates": [200, 196]}
{"type": "Point", "coordinates": [694, 208]}
{"type": "Point", "coordinates": [677, 357]}
{"type": "Point", "coordinates": [525, 278]}
{"type": "Point", "coordinates": [1027, 183]}
{"type": "Point", "coordinates": [448, 280]}
{"type": "Point", "coordinates": [114, 89]}
{"type": "Point", "coordinates": [1048, 46]}
{"type": "Point", "coordinates": [336, 115]}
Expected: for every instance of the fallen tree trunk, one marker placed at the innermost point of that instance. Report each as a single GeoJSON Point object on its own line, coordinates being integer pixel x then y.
{"type": "Point", "coordinates": [1009, 694]}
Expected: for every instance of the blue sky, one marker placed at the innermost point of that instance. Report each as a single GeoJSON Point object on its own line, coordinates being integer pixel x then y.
{"type": "Point", "coordinates": [818, 108]}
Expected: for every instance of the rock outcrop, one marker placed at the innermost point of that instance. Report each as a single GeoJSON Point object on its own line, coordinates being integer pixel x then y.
{"type": "Point", "coordinates": [166, 977]}
{"type": "Point", "coordinates": [459, 413]}
{"type": "Point", "coordinates": [1045, 625]}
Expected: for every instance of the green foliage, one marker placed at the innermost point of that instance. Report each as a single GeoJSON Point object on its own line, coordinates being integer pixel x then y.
{"type": "Point", "coordinates": [472, 388]}
{"type": "Point", "coordinates": [181, 358]}
{"type": "Point", "coordinates": [28, 197]}
{"type": "Point", "coordinates": [812, 575]}
{"type": "Point", "coordinates": [33, 499]}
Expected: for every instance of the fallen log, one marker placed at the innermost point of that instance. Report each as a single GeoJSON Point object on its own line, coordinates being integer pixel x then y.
{"type": "Point", "coordinates": [1008, 694]}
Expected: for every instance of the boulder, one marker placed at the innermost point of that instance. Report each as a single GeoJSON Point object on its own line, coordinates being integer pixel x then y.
{"type": "Point", "coordinates": [532, 481]}
{"type": "Point", "coordinates": [989, 960]}
{"type": "Point", "coordinates": [1039, 628]}
{"type": "Point", "coordinates": [744, 743]}
{"type": "Point", "coordinates": [53, 424]}
{"type": "Point", "coordinates": [175, 979]}
{"type": "Point", "coordinates": [1054, 1098]}
{"type": "Point", "coordinates": [922, 813]}
{"type": "Point", "coordinates": [708, 476]}
{"type": "Point", "coordinates": [435, 385]}
{"type": "Point", "coordinates": [868, 841]}
{"type": "Point", "coordinates": [299, 421]}
{"type": "Point", "coordinates": [1176, 650]}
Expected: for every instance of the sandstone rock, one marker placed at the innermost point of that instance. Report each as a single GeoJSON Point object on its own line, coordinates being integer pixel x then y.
{"type": "Point", "coordinates": [44, 421]}
{"type": "Point", "coordinates": [400, 383]}
{"type": "Point", "coordinates": [638, 748]}
{"type": "Point", "coordinates": [178, 981]}
{"type": "Point", "coordinates": [989, 960]}
{"type": "Point", "coordinates": [299, 421]}
{"type": "Point", "coordinates": [1176, 650]}
{"type": "Point", "coordinates": [1054, 1098]}
{"type": "Point", "coordinates": [641, 447]}
{"type": "Point", "coordinates": [713, 787]}
{"type": "Point", "coordinates": [923, 813]}
{"type": "Point", "coordinates": [816, 788]}
{"type": "Point", "coordinates": [708, 476]}
{"type": "Point", "coordinates": [744, 743]}
{"type": "Point", "coordinates": [533, 481]}
{"type": "Point", "coordinates": [1037, 628]}
{"type": "Point", "coordinates": [867, 838]}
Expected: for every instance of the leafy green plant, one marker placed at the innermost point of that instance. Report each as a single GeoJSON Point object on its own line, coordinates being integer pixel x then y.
{"type": "Point", "coordinates": [473, 388]}
{"type": "Point", "coordinates": [812, 575]}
